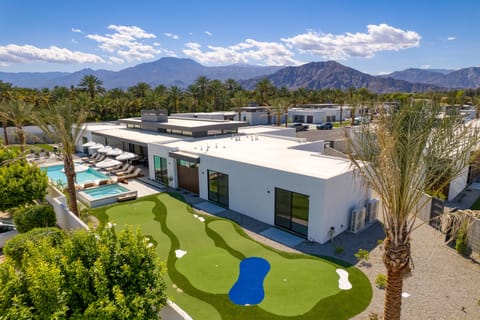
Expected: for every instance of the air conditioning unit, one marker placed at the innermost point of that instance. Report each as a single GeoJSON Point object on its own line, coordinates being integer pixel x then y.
{"type": "Point", "coordinates": [372, 211]}
{"type": "Point", "coordinates": [357, 220]}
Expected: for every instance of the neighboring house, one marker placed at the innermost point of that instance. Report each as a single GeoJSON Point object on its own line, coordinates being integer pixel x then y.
{"type": "Point", "coordinates": [258, 115]}
{"type": "Point", "coordinates": [263, 172]}
{"type": "Point", "coordinates": [319, 113]}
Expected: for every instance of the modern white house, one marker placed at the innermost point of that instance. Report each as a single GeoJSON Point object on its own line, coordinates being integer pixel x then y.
{"type": "Point", "coordinates": [263, 172]}
{"type": "Point", "coordinates": [319, 113]}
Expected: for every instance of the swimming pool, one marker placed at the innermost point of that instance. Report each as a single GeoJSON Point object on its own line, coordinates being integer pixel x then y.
{"type": "Point", "coordinates": [105, 194]}
{"type": "Point", "coordinates": [55, 174]}
{"type": "Point", "coordinates": [106, 190]}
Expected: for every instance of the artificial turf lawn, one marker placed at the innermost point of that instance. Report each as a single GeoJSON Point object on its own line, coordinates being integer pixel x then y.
{"type": "Point", "coordinates": [297, 285]}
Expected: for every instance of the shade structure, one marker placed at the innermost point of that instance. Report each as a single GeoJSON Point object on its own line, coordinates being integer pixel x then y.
{"type": "Point", "coordinates": [89, 144]}
{"type": "Point", "coordinates": [78, 168]}
{"type": "Point", "coordinates": [107, 163]}
{"type": "Point", "coordinates": [96, 146]}
{"type": "Point", "coordinates": [126, 156]}
{"type": "Point", "coordinates": [114, 152]}
{"type": "Point", "coordinates": [104, 149]}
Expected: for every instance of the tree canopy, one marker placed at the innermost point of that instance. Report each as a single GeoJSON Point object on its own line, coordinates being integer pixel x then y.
{"type": "Point", "coordinates": [84, 275]}
{"type": "Point", "coordinates": [20, 182]}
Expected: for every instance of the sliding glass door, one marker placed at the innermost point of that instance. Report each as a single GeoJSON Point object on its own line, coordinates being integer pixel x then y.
{"type": "Point", "coordinates": [161, 173]}
{"type": "Point", "coordinates": [218, 188]}
{"type": "Point", "coordinates": [291, 211]}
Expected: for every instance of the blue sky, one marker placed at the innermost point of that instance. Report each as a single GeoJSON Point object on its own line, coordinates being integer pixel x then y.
{"type": "Point", "coordinates": [371, 36]}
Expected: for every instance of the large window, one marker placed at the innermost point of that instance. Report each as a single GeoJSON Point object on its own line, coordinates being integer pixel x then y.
{"type": "Point", "coordinates": [291, 211]}
{"type": "Point", "coordinates": [218, 187]}
{"type": "Point", "coordinates": [161, 173]}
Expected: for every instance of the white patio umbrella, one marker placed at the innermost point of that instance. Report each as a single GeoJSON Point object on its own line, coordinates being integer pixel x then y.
{"type": "Point", "coordinates": [96, 147]}
{"type": "Point", "coordinates": [89, 144]}
{"type": "Point", "coordinates": [104, 149]}
{"type": "Point", "coordinates": [126, 156]}
{"type": "Point", "coordinates": [78, 168]}
{"type": "Point", "coordinates": [114, 152]}
{"type": "Point", "coordinates": [107, 163]}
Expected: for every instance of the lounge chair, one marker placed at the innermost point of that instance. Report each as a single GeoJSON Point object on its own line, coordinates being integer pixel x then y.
{"type": "Point", "coordinates": [128, 171]}
{"type": "Point", "coordinates": [89, 185]}
{"type": "Point", "coordinates": [90, 157]}
{"type": "Point", "coordinates": [125, 167]}
{"type": "Point", "coordinates": [135, 174]}
{"type": "Point", "coordinates": [101, 158]}
{"type": "Point", "coordinates": [102, 182]}
{"type": "Point", "coordinates": [114, 168]}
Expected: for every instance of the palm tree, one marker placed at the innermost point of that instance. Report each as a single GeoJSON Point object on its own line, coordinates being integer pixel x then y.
{"type": "Point", "coordinates": [280, 105]}
{"type": "Point", "coordinates": [174, 95]}
{"type": "Point", "coordinates": [264, 88]}
{"type": "Point", "coordinates": [63, 122]}
{"type": "Point", "coordinates": [406, 152]}
{"type": "Point", "coordinates": [92, 85]}
{"type": "Point", "coordinates": [18, 113]}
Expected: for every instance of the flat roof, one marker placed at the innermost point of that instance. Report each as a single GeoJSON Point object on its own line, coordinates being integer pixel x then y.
{"type": "Point", "coordinates": [139, 136]}
{"type": "Point", "coordinates": [265, 129]}
{"type": "Point", "coordinates": [97, 126]}
{"type": "Point", "coordinates": [269, 152]}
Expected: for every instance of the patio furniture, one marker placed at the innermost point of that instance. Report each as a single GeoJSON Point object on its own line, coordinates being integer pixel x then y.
{"type": "Point", "coordinates": [100, 158]}
{"type": "Point", "coordinates": [127, 197]}
{"type": "Point", "coordinates": [125, 167]}
{"type": "Point", "coordinates": [128, 171]}
{"type": "Point", "coordinates": [135, 174]}
{"type": "Point", "coordinates": [89, 185]}
{"type": "Point", "coordinates": [117, 167]}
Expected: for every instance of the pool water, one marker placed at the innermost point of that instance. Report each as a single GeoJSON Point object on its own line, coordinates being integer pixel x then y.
{"type": "Point", "coordinates": [105, 190]}
{"type": "Point", "coordinates": [55, 174]}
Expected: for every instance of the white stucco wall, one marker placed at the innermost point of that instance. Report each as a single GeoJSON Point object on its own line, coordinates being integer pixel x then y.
{"type": "Point", "coordinates": [458, 184]}
{"type": "Point", "coordinates": [342, 194]}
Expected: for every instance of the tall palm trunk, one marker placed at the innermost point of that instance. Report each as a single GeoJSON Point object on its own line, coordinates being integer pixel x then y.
{"type": "Point", "coordinates": [21, 138]}
{"type": "Point", "coordinates": [69, 166]}
{"type": "Point", "coordinates": [396, 259]}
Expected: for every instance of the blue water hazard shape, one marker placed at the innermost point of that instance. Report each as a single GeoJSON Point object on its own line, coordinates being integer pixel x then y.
{"type": "Point", "coordinates": [248, 290]}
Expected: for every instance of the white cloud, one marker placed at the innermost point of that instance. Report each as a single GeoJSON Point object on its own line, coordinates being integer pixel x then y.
{"type": "Point", "coordinates": [380, 37]}
{"type": "Point", "coordinates": [451, 38]}
{"type": "Point", "coordinates": [171, 35]}
{"type": "Point", "coordinates": [208, 33]}
{"type": "Point", "coordinates": [77, 30]}
{"type": "Point", "coordinates": [169, 53]}
{"type": "Point", "coordinates": [156, 44]}
{"type": "Point", "coordinates": [249, 51]}
{"type": "Point", "coordinates": [116, 60]}
{"type": "Point", "coordinates": [426, 66]}
{"type": "Point", "coordinates": [13, 53]}
{"type": "Point", "coordinates": [125, 42]}
{"type": "Point", "coordinates": [74, 41]}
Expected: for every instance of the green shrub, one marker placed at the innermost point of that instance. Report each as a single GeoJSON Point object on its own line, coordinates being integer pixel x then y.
{"type": "Point", "coordinates": [381, 281]}
{"type": "Point", "coordinates": [362, 254]}
{"type": "Point", "coordinates": [339, 249]}
{"type": "Point", "coordinates": [373, 316]}
{"type": "Point", "coordinates": [40, 216]}
{"type": "Point", "coordinates": [461, 244]}
{"type": "Point", "coordinates": [18, 245]}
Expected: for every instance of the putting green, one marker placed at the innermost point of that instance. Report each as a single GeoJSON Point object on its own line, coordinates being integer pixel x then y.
{"type": "Point", "coordinates": [297, 285]}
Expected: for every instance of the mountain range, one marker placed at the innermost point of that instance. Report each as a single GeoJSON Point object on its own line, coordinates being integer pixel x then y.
{"type": "Point", "coordinates": [314, 75]}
